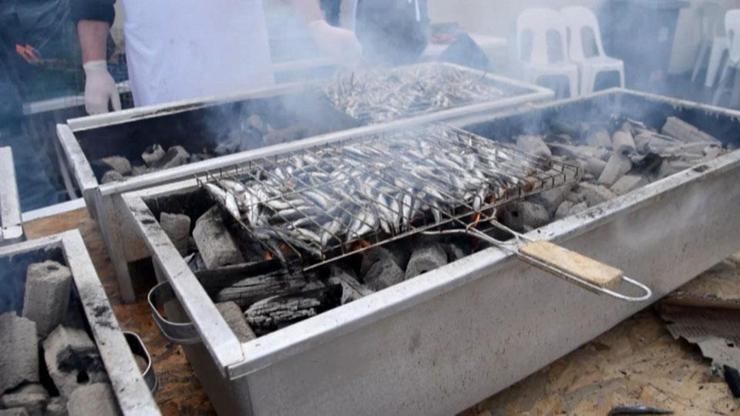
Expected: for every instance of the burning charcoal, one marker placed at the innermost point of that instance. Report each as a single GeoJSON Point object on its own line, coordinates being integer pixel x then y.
{"type": "Point", "coordinates": [198, 157]}
{"type": "Point", "coordinates": [628, 183]}
{"type": "Point", "coordinates": [575, 209]}
{"type": "Point", "coordinates": [424, 259]}
{"type": "Point", "coordinates": [685, 132]}
{"type": "Point", "coordinates": [380, 269]}
{"type": "Point", "coordinates": [593, 166]}
{"type": "Point", "coordinates": [286, 135]}
{"type": "Point", "coordinates": [72, 360]}
{"type": "Point", "coordinates": [56, 406]}
{"type": "Point", "coordinates": [534, 146]}
{"type": "Point", "coordinates": [595, 194]}
{"type": "Point", "coordinates": [351, 288]}
{"type": "Point", "coordinates": [599, 138]}
{"type": "Point", "coordinates": [48, 286]}
{"type": "Point", "coordinates": [521, 214]}
{"type": "Point", "coordinates": [92, 400]}
{"type": "Point", "coordinates": [617, 166]}
{"type": "Point", "coordinates": [252, 289]}
{"type": "Point", "coordinates": [32, 397]}
{"type": "Point", "coordinates": [177, 228]}
{"type": "Point", "coordinates": [216, 245]}
{"type": "Point", "coordinates": [277, 312]}
{"type": "Point", "coordinates": [118, 163]}
{"type": "Point", "coordinates": [111, 176]}
{"type": "Point", "coordinates": [255, 121]}
{"type": "Point", "coordinates": [141, 170]}
{"type": "Point", "coordinates": [671, 167]}
{"type": "Point", "coordinates": [712, 152]}
{"type": "Point", "coordinates": [563, 210]}
{"type": "Point", "coordinates": [18, 351]}
{"type": "Point", "coordinates": [376, 254]}
{"type": "Point", "coordinates": [175, 156]}
{"type": "Point", "coordinates": [152, 155]}
{"type": "Point", "coordinates": [623, 142]}
{"type": "Point", "coordinates": [235, 318]}
{"type": "Point", "coordinates": [552, 199]}
{"type": "Point", "coordinates": [454, 251]}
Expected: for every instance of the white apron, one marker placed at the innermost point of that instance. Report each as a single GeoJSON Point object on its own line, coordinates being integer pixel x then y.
{"type": "Point", "coordinates": [184, 49]}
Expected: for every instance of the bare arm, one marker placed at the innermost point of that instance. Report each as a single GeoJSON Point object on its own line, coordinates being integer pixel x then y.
{"type": "Point", "coordinates": [93, 36]}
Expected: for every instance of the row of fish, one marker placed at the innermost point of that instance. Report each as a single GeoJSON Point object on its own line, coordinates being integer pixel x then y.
{"type": "Point", "coordinates": [383, 95]}
{"type": "Point", "coordinates": [390, 184]}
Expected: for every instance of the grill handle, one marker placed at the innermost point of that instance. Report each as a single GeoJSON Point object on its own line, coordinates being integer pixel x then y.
{"type": "Point", "coordinates": [138, 348]}
{"type": "Point", "coordinates": [183, 333]}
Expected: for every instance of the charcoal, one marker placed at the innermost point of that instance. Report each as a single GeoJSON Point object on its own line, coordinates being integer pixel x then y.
{"type": "Point", "coordinates": [383, 272]}
{"type": "Point", "coordinates": [521, 214]}
{"type": "Point", "coordinates": [617, 166]}
{"type": "Point", "coordinates": [111, 176]}
{"type": "Point", "coordinates": [216, 245]}
{"type": "Point", "coordinates": [56, 406]}
{"type": "Point", "coordinates": [628, 183]}
{"type": "Point", "coordinates": [592, 166]}
{"type": "Point", "coordinates": [534, 146]}
{"type": "Point", "coordinates": [234, 317]}
{"type": "Point", "coordinates": [141, 170]}
{"type": "Point", "coordinates": [563, 210]}
{"type": "Point", "coordinates": [118, 163]}
{"type": "Point", "coordinates": [32, 397]}
{"type": "Point", "coordinates": [351, 288]}
{"type": "Point", "coordinates": [175, 156]}
{"type": "Point", "coordinates": [72, 360]}
{"type": "Point", "coordinates": [623, 143]}
{"type": "Point", "coordinates": [575, 209]}
{"type": "Point", "coordinates": [286, 135]}
{"type": "Point", "coordinates": [255, 121]}
{"type": "Point", "coordinates": [177, 228]}
{"type": "Point", "coordinates": [152, 155]}
{"type": "Point", "coordinates": [279, 311]}
{"type": "Point", "coordinates": [595, 194]}
{"type": "Point", "coordinates": [45, 301]}
{"type": "Point", "coordinates": [424, 259]}
{"type": "Point", "coordinates": [195, 262]}
{"type": "Point", "coordinates": [249, 290]}
{"type": "Point", "coordinates": [92, 400]}
{"type": "Point", "coordinates": [712, 152]}
{"type": "Point", "coordinates": [671, 167]}
{"type": "Point", "coordinates": [376, 254]}
{"type": "Point", "coordinates": [16, 411]}
{"type": "Point", "coordinates": [686, 132]}
{"type": "Point", "coordinates": [19, 360]}
{"type": "Point", "coordinates": [552, 199]}
{"type": "Point", "coordinates": [454, 251]}
{"type": "Point", "coordinates": [599, 138]}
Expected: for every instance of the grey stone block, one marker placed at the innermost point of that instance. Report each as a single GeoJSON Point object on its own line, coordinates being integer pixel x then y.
{"type": "Point", "coordinates": [177, 228]}
{"type": "Point", "coordinates": [424, 259]}
{"type": "Point", "coordinates": [617, 166]}
{"type": "Point", "coordinates": [92, 400]}
{"type": "Point", "coordinates": [628, 183]}
{"type": "Point", "coordinates": [72, 360]}
{"type": "Point", "coordinates": [234, 316]}
{"type": "Point", "coordinates": [19, 356]}
{"type": "Point", "coordinates": [595, 194]}
{"type": "Point", "coordinates": [45, 301]}
{"type": "Point", "coordinates": [216, 245]}
{"type": "Point", "coordinates": [534, 146]}
{"type": "Point", "coordinates": [32, 397]}
{"type": "Point", "coordinates": [119, 164]}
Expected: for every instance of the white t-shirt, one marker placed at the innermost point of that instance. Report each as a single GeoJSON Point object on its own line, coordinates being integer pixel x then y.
{"type": "Point", "coordinates": [184, 49]}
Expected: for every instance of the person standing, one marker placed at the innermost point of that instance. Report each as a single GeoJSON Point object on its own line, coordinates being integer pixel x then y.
{"type": "Point", "coordinates": [184, 49]}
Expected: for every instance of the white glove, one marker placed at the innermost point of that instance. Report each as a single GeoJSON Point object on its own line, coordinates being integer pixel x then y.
{"type": "Point", "coordinates": [334, 41]}
{"type": "Point", "coordinates": [100, 88]}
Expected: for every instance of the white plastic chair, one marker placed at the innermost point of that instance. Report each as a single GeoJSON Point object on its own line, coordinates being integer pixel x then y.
{"type": "Point", "coordinates": [714, 42]}
{"type": "Point", "coordinates": [542, 47]}
{"type": "Point", "coordinates": [732, 26]}
{"type": "Point", "coordinates": [586, 48]}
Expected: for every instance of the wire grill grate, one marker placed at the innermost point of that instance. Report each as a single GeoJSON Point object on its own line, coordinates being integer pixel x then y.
{"type": "Point", "coordinates": [324, 203]}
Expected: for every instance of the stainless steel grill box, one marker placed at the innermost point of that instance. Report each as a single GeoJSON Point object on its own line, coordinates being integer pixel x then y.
{"type": "Point", "coordinates": [131, 390]}
{"type": "Point", "coordinates": [10, 208]}
{"type": "Point", "coordinates": [191, 125]}
{"type": "Point", "coordinates": [447, 339]}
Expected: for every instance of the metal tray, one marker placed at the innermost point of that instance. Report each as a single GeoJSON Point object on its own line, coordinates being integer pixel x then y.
{"type": "Point", "coordinates": [130, 388]}
{"type": "Point", "coordinates": [11, 229]}
{"type": "Point", "coordinates": [448, 339]}
{"type": "Point", "coordinates": [185, 123]}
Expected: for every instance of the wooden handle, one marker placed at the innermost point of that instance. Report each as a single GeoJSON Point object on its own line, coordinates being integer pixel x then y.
{"type": "Point", "coordinates": [586, 268]}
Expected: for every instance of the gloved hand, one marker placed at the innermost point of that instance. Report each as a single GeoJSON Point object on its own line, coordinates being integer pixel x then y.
{"type": "Point", "coordinates": [334, 41]}
{"type": "Point", "coordinates": [100, 88]}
